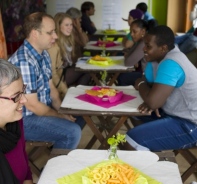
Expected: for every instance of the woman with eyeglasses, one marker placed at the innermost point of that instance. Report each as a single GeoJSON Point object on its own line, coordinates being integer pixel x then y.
{"type": "Point", "coordinates": [14, 167]}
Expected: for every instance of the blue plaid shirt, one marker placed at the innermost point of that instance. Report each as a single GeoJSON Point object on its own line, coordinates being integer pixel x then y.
{"type": "Point", "coordinates": [36, 72]}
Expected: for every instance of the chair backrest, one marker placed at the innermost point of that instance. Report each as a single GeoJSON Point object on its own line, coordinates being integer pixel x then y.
{"type": "Point", "coordinates": [34, 151]}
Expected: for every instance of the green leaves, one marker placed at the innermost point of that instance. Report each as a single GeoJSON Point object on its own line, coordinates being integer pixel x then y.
{"type": "Point", "coordinates": [116, 139]}
{"type": "Point", "coordinates": [103, 75]}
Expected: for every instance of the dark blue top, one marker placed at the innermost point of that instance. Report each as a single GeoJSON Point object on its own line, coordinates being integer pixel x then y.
{"type": "Point", "coordinates": [86, 24]}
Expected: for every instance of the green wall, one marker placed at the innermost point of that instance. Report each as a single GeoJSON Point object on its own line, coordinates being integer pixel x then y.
{"type": "Point", "coordinates": [159, 10]}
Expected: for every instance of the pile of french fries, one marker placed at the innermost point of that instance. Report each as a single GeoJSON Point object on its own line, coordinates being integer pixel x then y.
{"type": "Point", "coordinates": [113, 173]}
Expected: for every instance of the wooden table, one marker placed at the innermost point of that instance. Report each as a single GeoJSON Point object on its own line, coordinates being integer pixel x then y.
{"type": "Point", "coordinates": [114, 70]}
{"type": "Point", "coordinates": [74, 106]}
{"type": "Point", "coordinates": [96, 50]}
{"type": "Point", "coordinates": [149, 163]}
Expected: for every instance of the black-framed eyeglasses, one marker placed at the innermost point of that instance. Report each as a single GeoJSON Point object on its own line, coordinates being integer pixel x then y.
{"type": "Point", "coordinates": [17, 97]}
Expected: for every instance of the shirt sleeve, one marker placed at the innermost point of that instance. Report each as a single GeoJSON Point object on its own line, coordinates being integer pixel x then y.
{"type": "Point", "coordinates": [170, 73]}
{"type": "Point", "coordinates": [135, 54]}
{"type": "Point", "coordinates": [129, 36]}
{"type": "Point", "coordinates": [29, 77]}
{"type": "Point", "coordinates": [149, 72]}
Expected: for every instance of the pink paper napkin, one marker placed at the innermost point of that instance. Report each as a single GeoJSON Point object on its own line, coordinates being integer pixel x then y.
{"type": "Point", "coordinates": [106, 104]}
{"type": "Point", "coordinates": [110, 45]}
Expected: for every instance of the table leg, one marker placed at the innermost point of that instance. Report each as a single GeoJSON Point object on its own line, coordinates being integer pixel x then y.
{"type": "Point", "coordinates": [98, 131]}
{"type": "Point", "coordinates": [93, 140]}
{"type": "Point", "coordinates": [104, 127]}
{"type": "Point", "coordinates": [116, 128]}
{"type": "Point", "coordinates": [113, 79]}
{"type": "Point", "coordinates": [94, 129]}
{"type": "Point", "coordinates": [94, 77]}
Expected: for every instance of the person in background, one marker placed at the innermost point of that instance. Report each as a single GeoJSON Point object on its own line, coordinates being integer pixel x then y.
{"type": "Point", "coordinates": [169, 92]}
{"type": "Point", "coordinates": [64, 55]}
{"type": "Point", "coordinates": [134, 56]}
{"type": "Point", "coordinates": [134, 14]}
{"type": "Point", "coordinates": [87, 9]}
{"type": "Point", "coordinates": [14, 168]}
{"type": "Point", "coordinates": [42, 122]}
{"type": "Point", "coordinates": [188, 41]}
{"type": "Point", "coordinates": [80, 37]}
{"type": "Point", "coordinates": [147, 16]}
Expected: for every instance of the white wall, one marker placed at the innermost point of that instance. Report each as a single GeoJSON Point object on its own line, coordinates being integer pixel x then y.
{"type": "Point", "coordinates": [127, 5]}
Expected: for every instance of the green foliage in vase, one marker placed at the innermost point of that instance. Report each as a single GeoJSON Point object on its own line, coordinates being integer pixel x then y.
{"type": "Point", "coordinates": [103, 76]}
{"type": "Point", "coordinates": [116, 139]}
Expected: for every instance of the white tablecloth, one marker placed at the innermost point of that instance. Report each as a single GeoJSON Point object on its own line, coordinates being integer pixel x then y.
{"type": "Point", "coordinates": [130, 106]}
{"type": "Point", "coordinates": [90, 46]}
{"type": "Point", "coordinates": [163, 171]}
{"type": "Point", "coordinates": [83, 64]}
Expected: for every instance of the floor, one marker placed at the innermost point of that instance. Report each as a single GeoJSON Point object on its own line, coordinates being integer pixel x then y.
{"type": "Point", "coordinates": [87, 134]}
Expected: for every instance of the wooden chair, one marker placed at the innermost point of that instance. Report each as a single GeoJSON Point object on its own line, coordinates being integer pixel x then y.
{"type": "Point", "coordinates": [191, 158]}
{"type": "Point", "coordinates": [36, 148]}
{"type": "Point", "coordinates": [57, 152]}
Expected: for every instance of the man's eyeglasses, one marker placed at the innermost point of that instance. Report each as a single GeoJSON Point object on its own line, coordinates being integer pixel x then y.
{"type": "Point", "coordinates": [17, 97]}
{"type": "Point", "coordinates": [50, 33]}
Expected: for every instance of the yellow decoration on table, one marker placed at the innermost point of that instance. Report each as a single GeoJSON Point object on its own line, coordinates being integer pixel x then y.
{"type": "Point", "coordinates": [110, 31]}
{"type": "Point", "coordinates": [99, 60]}
{"type": "Point", "coordinates": [108, 172]}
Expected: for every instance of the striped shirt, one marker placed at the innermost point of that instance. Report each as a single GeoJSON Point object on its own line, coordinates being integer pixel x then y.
{"type": "Point", "coordinates": [36, 72]}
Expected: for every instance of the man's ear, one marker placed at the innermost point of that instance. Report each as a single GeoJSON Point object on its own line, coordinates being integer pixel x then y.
{"type": "Point", "coordinates": [164, 48]}
{"type": "Point", "coordinates": [34, 33]}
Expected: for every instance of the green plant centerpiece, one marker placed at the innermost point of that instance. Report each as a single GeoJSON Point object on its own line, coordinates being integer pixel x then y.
{"type": "Point", "coordinates": [114, 141]}
{"type": "Point", "coordinates": [104, 77]}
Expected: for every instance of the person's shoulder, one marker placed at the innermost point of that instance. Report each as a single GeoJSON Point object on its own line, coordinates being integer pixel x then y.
{"type": "Point", "coordinates": [54, 47]}
{"type": "Point", "coordinates": [84, 16]}
{"type": "Point", "coordinates": [148, 16]}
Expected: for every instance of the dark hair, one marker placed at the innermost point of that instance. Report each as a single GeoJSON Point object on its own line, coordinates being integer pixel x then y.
{"type": "Point", "coordinates": [34, 22]}
{"type": "Point", "coordinates": [86, 6]}
{"type": "Point", "coordinates": [141, 24]}
{"type": "Point", "coordinates": [164, 36]}
{"type": "Point", "coordinates": [142, 6]}
{"type": "Point", "coordinates": [152, 23]}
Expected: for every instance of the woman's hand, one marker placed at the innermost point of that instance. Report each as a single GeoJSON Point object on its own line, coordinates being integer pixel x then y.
{"type": "Point", "coordinates": [77, 24]}
{"type": "Point", "coordinates": [136, 65]}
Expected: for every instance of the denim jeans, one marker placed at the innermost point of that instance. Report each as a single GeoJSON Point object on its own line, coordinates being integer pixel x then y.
{"type": "Point", "coordinates": [165, 133]}
{"type": "Point", "coordinates": [187, 42]}
{"type": "Point", "coordinates": [63, 133]}
{"type": "Point", "coordinates": [180, 39]}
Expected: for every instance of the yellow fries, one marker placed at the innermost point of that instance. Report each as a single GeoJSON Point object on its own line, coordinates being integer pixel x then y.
{"type": "Point", "coordinates": [113, 173]}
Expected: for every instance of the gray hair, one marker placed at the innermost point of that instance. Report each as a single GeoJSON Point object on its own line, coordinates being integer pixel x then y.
{"type": "Point", "coordinates": [8, 73]}
{"type": "Point", "coordinates": [74, 13]}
